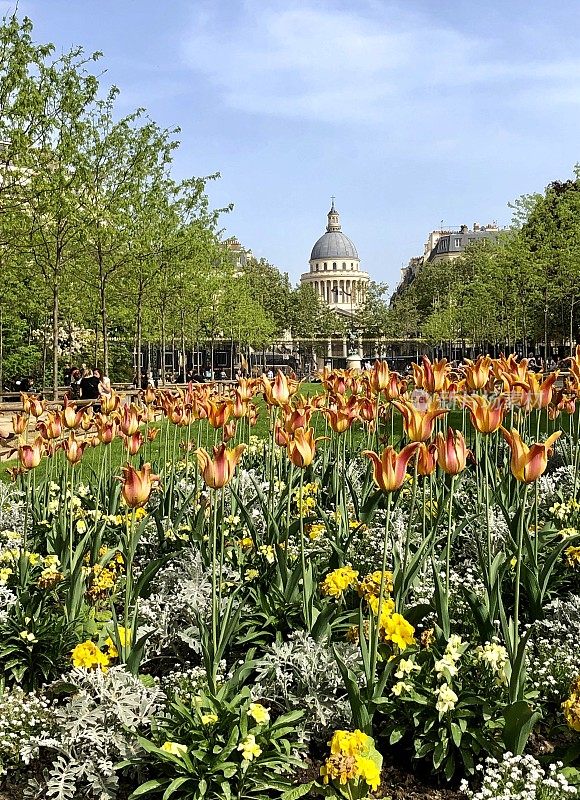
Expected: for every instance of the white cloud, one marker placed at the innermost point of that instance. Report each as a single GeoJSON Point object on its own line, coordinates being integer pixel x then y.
{"type": "Point", "coordinates": [379, 63]}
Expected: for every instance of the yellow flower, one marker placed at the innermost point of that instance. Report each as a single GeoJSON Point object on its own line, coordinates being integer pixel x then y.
{"type": "Point", "coordinates": [252, 574]}
{"type": "Point", "coordinates": [573, 556]}
{"type": "Point", "coordinates": [88, 656]}
{"type": "Point", "coordinates": [259, 713]}
{"type": "Point", "coordinates": [369, 771]}
{"type": "Point", "coordinates": [339, 766]}
{"type": "Point", "coordinates": [246, 543]}
{"type": "Point", "coordinates": [338, 581]}
{"type": "Point", "coordinates": [370, 586]}
{"type": "Point", "coordinates": [396, 629]}
{"type": "Point", "coordinates": [446, 698]}
{"type": "Point", "coordinates": [249, 748]}
{"type": "Point", "coordinates": [350, 742]}
{"type": "Point", "coordinates": [174, 748]}
{"type": "Point", "coordinates": [315, 530]}
{"type": "Point", "coordinates": [209, 719]}
{"type": "Point", "coordinates": [81, 526]}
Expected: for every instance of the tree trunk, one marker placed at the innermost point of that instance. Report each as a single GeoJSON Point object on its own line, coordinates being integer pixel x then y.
{"type": "Point", "coordinates": [104, 329]}
{"type": "Point", "coordinates": [572, 325]}
{"type": "Point", "coordinates": [55, 312]}
{"type": "Point", "coordinates": [162, 366]}
{"type": "Point", "coordinates": [1, 350]}
{"type": "Point", "coordinates": [139, 336]}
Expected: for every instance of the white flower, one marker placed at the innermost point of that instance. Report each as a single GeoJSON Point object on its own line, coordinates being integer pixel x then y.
{"type": "Point", "coordinates": [446, 698]}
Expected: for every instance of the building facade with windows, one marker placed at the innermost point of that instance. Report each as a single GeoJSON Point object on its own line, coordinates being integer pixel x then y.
{"type": "Point", "coordinates": [335, 273]}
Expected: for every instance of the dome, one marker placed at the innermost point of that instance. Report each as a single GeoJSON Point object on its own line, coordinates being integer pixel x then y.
{"type": "Point", "coordinates": [333, 244]}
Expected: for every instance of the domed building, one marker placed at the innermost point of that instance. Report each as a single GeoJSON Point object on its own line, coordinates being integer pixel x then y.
{"type": "Point", "coordinates": [335, 273]}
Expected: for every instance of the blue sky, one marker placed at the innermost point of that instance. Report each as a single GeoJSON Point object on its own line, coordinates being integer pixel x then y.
{"type": "Point", "coordinates": [410, 112]}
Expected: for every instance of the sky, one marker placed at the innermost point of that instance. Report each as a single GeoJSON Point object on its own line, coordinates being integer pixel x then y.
{"type": "Point", "coordinates": [411, 112]}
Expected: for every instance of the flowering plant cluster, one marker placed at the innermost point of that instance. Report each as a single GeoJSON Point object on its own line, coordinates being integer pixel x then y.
{"type": "Point", "coordinates": [377, 571]}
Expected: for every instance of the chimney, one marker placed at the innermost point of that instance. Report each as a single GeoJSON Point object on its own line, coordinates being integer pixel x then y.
{"type": "Point", "coordinates": [463, 229]}
{"type": "Point", "coordinates": [476, 226]}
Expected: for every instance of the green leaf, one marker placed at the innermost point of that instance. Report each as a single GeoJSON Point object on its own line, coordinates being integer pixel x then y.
{"type": "Point", "coordinates": [174, 785]}
{"type": "Point", "coordinates": [520, 719]}
{"type": "Point", "coordinates": [148, 787]}
{"type": "Point", "coordinates": [298, 791]}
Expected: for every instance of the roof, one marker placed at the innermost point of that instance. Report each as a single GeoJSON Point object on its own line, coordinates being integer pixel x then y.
{"type": "Point", "coordinates": [334, 244]}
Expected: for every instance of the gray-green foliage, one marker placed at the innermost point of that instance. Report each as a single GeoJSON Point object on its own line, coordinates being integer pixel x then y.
{"type": "Point", "coordinates": [93, 730]}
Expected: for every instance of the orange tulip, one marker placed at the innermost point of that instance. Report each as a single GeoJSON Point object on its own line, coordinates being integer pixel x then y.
{"type": "Point", "coordinates": [419, 424]}
{"type": "Point", "coordinates": [426, 458]}
{"type": "Point", "coordinates": [379, 376]}
{"type": "Point", "coordinates": [133, 442]}
{"type": "Point", "coordinates": [110, 403]}
{"type": "Point", "coordinates": [390, 468]}
{"type": "Point", "coordinates": [30, 455]}
{"type": "Point", "coordinates": [218, 413]}
{"type": "Point", "coordinates": [451, 452]}
{"type": "Point", "coordinates": [219, 471]}
{"type": "Point", "coordinates": [149, 396]}
{"type": "Point", "coordinates": [239, 405]}
{"type": "Point", "coordinates": [87, 420]}
{"type": "Point", "coordinates": [252, 414]}
{"type": "Point", "coordinates": [74, 449]}
{"type": "Point", "coordinates": [52, 427]}
{"type": "Point", "coordinates": [302, 447]}
{"type": "Point", "coordinates": [541, 393]}
{"type": "Point", "coordinates": [575, 366]}
{"type": "Point", "coordinates": [152, 434]}
{"type": "Point", "coordinates": [71, 416]}
{"type": "Point", "coordinates": [106, 428]}
{"type": "Point", "coordinates": [129, 418]}
{"type": "Point", "coordinates": [298, 417]}
{"type": "Point", "coordinates": [19, 423]}
{"type": "Point", "coordinates": [137, 485]}
{"type": "Point", "coordinates": [486, 417]}
{"type": "Point", "coordinates": [528, 462]}
{"type": "Point", "coordinates": [477, 372]}
{"type": "Point", "coordinates": [279, 392]}
{"type": "Point", "coordinates": [432, 376]}
{"type": "Point", "coordinates": [245, 389]}
{"type": "Point", "coordinates": [342, 413]}
{"type": "Point", "coordinates": [366, 409]}
{"type": "Point", "coordinates": [229, 430]}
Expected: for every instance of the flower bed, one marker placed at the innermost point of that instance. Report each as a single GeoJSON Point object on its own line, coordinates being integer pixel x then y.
{"type": "Point", "coordinates": [298, 614]}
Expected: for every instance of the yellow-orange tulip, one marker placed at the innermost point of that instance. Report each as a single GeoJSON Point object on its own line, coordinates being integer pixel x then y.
{"type": "Point", "coordinates": [106, 428]}
{"type": "Point", "coordinates": [74, 449]}
{"type": "Point", "coordinates": [541, 393]}
{"type": "Point", "coordinates": [52, 427]}
{"type": "Point", "coordinates": [229, 430]}
{"type": "Point", "coordinates": [486, 417]}
{"type": "Point", "coordinates": [379, 376]}
{"type": "Point", "coordinates": [452, 452]}
{"type": "Point", "coordinates": [418, 424]}
{"type": "Point", "coordinates": [477, 372]}
{"type": "Point", "coordinates": [218, 413]}
{"type": "Point", "coordinates": [71, 416]}
{"type": "Point", "coordinates": [110, 403]}
{"type": "Point", "coordinates": [149, 396]}
{"type": "Point", "coordinates": [30, 455]}
{"type": "Point", "coordinates": [219, 471]}
{"type": "Point", "coordinates": [302, 447]}
{"type": "Point", "coordinates": [129, 418]}
{"type": "Point", "coordinates": [279, 392]}
{"type": "Point", "coordinates": [137, 485]}
{"type": "Point", "coordinates": [432, 376]}
{"type": "Point", "coordinates": [152, 434]}
{"type": "Point", "coordinates": [239, 405]}
{"type": "Point", "coordinates": [133, 443]}
{"type": "Point", "coordinates": [87, 420]}
{"type": "Point", "coordinates": [528, 462]}
{"type": "Point", "coordinates": [19, 423]}
{"type": "Point", "coordinates": [390, 468]}
{"type": "Point", "coordinates": [426, 458]}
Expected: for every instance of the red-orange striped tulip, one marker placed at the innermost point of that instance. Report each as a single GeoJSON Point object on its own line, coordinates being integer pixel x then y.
{"type": "Point", "coordinates": [452, 452]}
{"type": "Point", "coordinates": [390, 468]}
{"type": "Point", "coordinates": [30, 455]}
{"type": "Point", "coordinates": [219, 471]}
{"type": "Point", "coordinates": [19, 423]}
{"type": "Point", "coordinates": [418, 424]}
{"type": "Point", "coordinates": [477, 372]}
{"type": "Point", "coordinates": [426, 458]}
{"type": "Point", "coordinates": [528, 462]}
{"type": "Point", "coordinates": [52, 427]}
{"type": "Point", "coordinates": [486, 417]}
{"type": "Point", "coordinates": [133, 443]}
{"type": "Point", "coordinates": [302, 447]}
{"type": "Point", "coordinates": [137, 485]}
{"type": "Point", "coordinates": [74, 449]}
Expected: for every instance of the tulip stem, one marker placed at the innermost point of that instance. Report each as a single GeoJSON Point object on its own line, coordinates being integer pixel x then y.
{"type": "Point", "coordinates": [376, 629]}
{"type": "Point", "coordinates": [449, 529]}
{"type": "Point", "coordinates": [519, 550]}
{"type": "Point", "coordinates": [305, 598]}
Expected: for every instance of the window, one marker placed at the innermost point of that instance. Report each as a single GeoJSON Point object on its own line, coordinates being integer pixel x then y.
{"type": "Point", "coordinates": [334, 265]}
{"type": "Point", "coordinates": [325, 265]}
{"type": "Point", "coordinates": [344, 264]}
{"type": "Point", "coordinates": [457, 242]}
